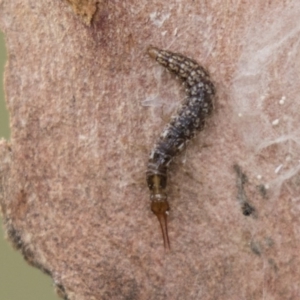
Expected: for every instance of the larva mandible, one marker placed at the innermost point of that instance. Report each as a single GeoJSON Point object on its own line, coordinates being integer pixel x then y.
{"type": "Point", "coordinates": [189, 119]}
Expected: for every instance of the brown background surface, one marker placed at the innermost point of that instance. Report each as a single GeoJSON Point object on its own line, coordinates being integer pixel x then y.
{"type": "Point", "coordinates": [86, 105]}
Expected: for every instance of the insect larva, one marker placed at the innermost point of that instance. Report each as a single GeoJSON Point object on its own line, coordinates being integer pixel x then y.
{"type": "Point", "coordinates": [189, 119]}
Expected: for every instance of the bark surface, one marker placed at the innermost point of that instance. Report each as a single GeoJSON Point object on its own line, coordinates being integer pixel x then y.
{"type": "Point", "coordinates": [86, 106]}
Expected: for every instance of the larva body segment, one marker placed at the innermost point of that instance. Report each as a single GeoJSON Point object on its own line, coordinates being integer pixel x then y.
{"type": "Point", "coordinates": [189, 119]}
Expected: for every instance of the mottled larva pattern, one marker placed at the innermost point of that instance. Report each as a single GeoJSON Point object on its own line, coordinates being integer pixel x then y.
{"type": "Point", "coordinates": [183, 126]}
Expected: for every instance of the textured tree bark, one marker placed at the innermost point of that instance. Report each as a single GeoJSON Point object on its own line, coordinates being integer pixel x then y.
{"type": "Point", "coordinates": [86, 105]}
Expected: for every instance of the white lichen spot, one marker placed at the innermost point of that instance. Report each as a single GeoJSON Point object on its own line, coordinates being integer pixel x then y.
{"type": "Point", "coordinates": [240, 115]}
{"type": "Point", "coordinates": [282, 100]}
{"type": "Point", "coordinates": [259, 177]}
{"type": "Point", "coordinates": [278, 169]}
{"type": "Point", "coordinates": [152, 101]}
{"type": "Point", "coordinates": [158, 19]}
{"type": "Point", "coordinates": [262, 97]}
{"type": "Point", "coordinates": [288, 158]}
{"type": "Point", "coordinates": [82, 137]}
{"type": "Point", "coordinates": [275, 122]}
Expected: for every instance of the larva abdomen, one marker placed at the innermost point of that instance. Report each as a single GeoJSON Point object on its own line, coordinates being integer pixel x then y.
{"type": "Point", "coordinates": [189, 119]}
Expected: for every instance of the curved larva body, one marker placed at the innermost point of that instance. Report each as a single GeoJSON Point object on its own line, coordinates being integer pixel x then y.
{"type": "Point", "coordinates": [189, 119]}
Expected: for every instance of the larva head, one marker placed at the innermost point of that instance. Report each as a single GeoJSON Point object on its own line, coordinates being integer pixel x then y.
{"type": "Point", "coordinates": [160, 56]}
{"type": "Point", "coordinates": [153, 52]}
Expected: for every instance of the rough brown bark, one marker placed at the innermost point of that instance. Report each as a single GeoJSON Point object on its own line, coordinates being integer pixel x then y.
{"type": "Point", "coordinates": [86, 104]}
